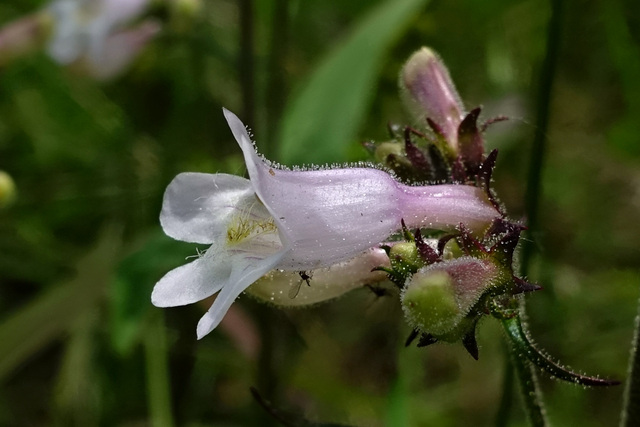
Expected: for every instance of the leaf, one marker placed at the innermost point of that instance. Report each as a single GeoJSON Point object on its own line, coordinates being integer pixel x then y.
{"type": "Point", "coordinates": [625, 55]}
{"type": "Point", "coordinates": [325, 115]}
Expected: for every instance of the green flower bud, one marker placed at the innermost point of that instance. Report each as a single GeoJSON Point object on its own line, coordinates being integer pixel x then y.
{"type": "Point", "coordinates": [429, 302]}
{"type": "Point", "coordinates": [7, 189]}
{"type": "Point", "coordinates": [405, 258]}
{"type": "Point", "coordinates": [438, 297]}
{"type": "Point", "coordinates": [385, 149]}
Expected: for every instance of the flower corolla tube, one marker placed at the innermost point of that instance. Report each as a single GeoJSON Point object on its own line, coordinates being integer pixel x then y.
{"type": "Point", "coordinates": [293, 220]}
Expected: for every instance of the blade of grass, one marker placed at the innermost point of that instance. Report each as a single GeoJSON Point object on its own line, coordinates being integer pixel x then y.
{"type": "Point", "coordinates": [529, 391]}
{"type": "Point", "coordinates": [631, 405]}
{"type": "Point", "coordinates": [325, 115]}
{"type": "Point", "coordinates": [157, 365]}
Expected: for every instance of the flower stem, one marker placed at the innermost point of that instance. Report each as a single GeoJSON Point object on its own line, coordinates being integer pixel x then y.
{"type": "Point", "coordinates": [523, 369]}
{"type": "Point", "coordinates": [502, 417]}
{"type": "Point", "coordinates": [247, 61]}
{"type": "Point", "coordinates": [157, 366]}
{"type": "Point", "coordinates": [538, 147]}
{"type": "Point", "coordinates": [631, 408]}
{"type": "Point", "coordinates": [277, 87]}
{"type": "Point", "coordinates": [529, 390]}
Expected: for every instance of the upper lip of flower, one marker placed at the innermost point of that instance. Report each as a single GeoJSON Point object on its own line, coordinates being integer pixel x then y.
{"type": "Point", "coordinates": [292, 220]}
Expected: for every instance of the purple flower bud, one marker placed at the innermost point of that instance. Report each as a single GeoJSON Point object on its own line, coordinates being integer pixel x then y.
{"type": "Point", "coordinates": [292, 220]}
{"type": "Point", "coordinates": [428, 92]}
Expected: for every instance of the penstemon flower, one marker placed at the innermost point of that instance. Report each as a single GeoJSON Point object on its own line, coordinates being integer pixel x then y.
{"type": "Point", "coordinates": [292, 220]}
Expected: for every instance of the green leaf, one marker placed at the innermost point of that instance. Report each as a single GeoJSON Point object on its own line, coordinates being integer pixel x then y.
{"type": "Point", "coordinates": [625, 56]}
{"type": "Point", "coordinates": [326, 114]}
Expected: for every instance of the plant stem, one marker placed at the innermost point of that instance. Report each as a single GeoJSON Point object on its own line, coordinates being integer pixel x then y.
{"type": "Point", "coordinates": [246, 62]}
{"type": "Point", "coordinates": [526, 377]}
{"type": "Point", "coordinates": [157, 364]}
{"type": "Point", "coordinates": [538, 147]}
{"type": "Point", "coordinates": [276, 90]}
{"type": "Point", "coordinates": [631, 407]}
{"type": "Point", "coordinates": [502, 417]}
{"type": "Point", "coordinates": [529, 389]}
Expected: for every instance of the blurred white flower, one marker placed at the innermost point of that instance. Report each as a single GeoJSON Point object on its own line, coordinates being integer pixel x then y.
{"type": "Point", "coordinates": [93, 35]}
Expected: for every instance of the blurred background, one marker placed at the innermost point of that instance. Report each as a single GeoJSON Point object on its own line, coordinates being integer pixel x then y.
{"type": "Point", "coordinates": [86, 162]}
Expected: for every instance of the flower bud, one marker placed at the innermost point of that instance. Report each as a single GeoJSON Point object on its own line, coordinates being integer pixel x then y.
{"type": "Point", "coordinates": [428, 92]}
{"type": "Point", "coordinates": [386, 149]}
{"type": "Point", "coordinates": [405, 258]}
{"type": "Point", "coordinates": [429, 302]}
{"type": "Point", "coordinates": [438, 297]}
{"type": "Point", "coordinates": [7, 189]}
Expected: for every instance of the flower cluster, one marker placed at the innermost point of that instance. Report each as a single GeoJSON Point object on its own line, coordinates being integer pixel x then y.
{"type": "Point", "coordinates": [337, 229]}
{"type": "Point", "coordinates": [296, 221]}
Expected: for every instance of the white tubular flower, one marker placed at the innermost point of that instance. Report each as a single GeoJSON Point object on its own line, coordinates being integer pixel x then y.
{"type": "Point", "coordinates": [292, 220]}
{"type": "Point", "coordinates": [90, 33]}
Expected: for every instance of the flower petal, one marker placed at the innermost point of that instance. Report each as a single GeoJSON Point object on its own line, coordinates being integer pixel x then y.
{"type": "Point", "coordinates": [65, 44]}
{"type": "Point", "coordinates": [191, 282]}
{"type": "Point", "coordinates": [324, 284]}
{"type": "Point", "coordinates": [197, 207]}
{"type": "Point", "coordinates": [245, 268]}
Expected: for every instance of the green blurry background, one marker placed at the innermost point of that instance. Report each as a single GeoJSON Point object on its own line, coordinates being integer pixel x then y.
{"type": "Point", "coordinates": [81, 246]}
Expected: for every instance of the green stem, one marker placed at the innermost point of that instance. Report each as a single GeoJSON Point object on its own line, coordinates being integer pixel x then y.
{"type": "Point", "coordinates": [157, 365]}
{"type": "Point", "coordinates": [526, 350]}
{"type": "Point", "coordinates": [631, 408]}
{"type": "Point", "coordinates": [247, 62]}
{"type": "Point", "coordinates": [502, 417]}
{"type": "Point", "coordinates": [532, 397]}
{"type": "Point", "coordinates": [538, 147]}
{"type": "Point", "coordinates": [529, 390]}
{"type": "Point", "coordinates": [276, 90]}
